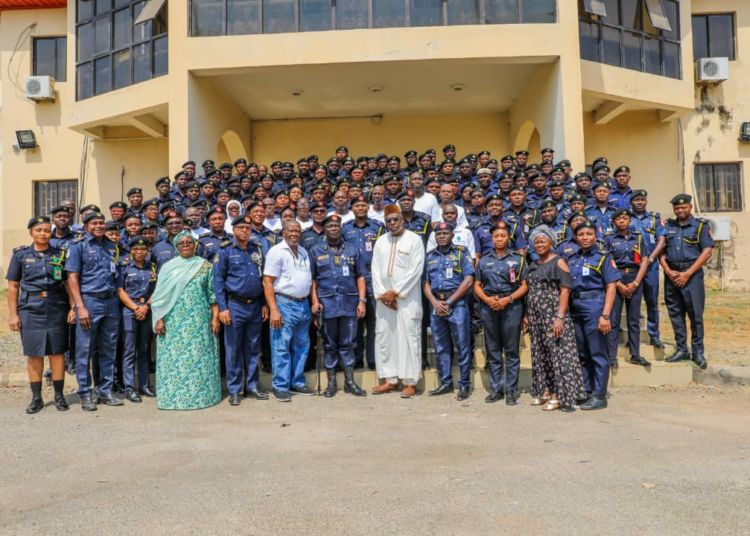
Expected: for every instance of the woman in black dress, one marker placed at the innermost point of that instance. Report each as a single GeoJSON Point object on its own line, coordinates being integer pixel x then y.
{"type": "Point", "coordinates": [556, 372]}
{"type": "Point", "coordinates": [40, 309]}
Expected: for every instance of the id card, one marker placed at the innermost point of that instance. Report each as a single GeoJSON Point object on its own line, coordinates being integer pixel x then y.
{"type": "Point", "coordinates": [57, 273]}
{"type": "Point", "coordinates": [512, 276]}
{"type": "Point", "coordinates": [112, 267]}
{"type": "Point", "coordinates": [368, 245]}
{"type": "Point", "coordinates": [449, 273]}
{"type": "Point", "coordinates": [585, 270]}
{"type": "Point", "coordinates": [345, 270]}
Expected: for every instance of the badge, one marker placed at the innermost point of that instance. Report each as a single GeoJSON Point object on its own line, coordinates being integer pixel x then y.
{"type": "Point", "coordinates": [585, 270]}
{"type": "Point", "coordinates": [512, 275]}
{"type": "Point", "coordinates": [337, 260]}
{"type": "Point", "coordinates": [112, 267]}
{"type": "Point", "coordinates": [345, 270]}
{"type": "Point", "coordinates": [368, 246]}
{"type": "Point", "coordinates": [449, 273]}
{"type": "Point", "coordinates": [57, 273]}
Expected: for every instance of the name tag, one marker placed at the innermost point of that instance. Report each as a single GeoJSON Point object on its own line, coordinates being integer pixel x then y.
{"type": "Point", "coordinates": [368, 245]}
{"type": "Point", "coordinates": [112, 267]}
{"type": "Point", "coordinates": [345, 270]}
{"type": "Point", "coordinates": [449, 273]}
{"type": "Point", "coordinates": [585, 270]}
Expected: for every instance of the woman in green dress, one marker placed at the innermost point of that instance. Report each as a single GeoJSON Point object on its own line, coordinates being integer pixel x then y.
{"type": "Point", "coordinates": [186, 320]}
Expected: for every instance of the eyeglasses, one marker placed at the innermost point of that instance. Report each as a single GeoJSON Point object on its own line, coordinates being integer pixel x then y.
{"type": "Point", "coordinates": [391, 220]}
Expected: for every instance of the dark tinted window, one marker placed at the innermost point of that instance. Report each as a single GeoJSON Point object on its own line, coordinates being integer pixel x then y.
{"type": "Point", "coordinates": [50, 57]}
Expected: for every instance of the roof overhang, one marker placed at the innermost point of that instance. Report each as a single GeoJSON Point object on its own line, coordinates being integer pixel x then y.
{"type": "Point", "coordinates": [7, 5]}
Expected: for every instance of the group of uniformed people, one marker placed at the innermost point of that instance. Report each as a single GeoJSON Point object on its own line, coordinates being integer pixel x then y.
{"type": "Point", "coordinates": [80, 293]}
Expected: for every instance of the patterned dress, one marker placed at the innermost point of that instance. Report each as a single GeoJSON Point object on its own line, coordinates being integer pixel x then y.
{"type": "Point", "coordinates": [555, 364]}
{"type": "Point", "coordinates": [187, 358]}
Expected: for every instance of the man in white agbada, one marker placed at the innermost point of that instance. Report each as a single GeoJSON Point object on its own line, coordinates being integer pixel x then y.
{"type": "Point", "coordinates": [397, 266]}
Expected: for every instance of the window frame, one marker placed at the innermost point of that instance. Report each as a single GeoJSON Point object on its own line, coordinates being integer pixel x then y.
{"type": "Point", "coordinates": [706, 16]}
{"type": "Point", "coordinates": [715, 192]}
{"type": "Point", "coordinates": [34, 194]}
{"type": "Point", "coordinates": [112, 52]}
{"type": "Point", "coordinates": [622, 29]}
{"type": "Point", "coordinates": [56, 39]}
{"type": "Point", "coordinates": [370, 22]}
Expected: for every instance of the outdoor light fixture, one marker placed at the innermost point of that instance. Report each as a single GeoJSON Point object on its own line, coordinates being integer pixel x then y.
{"type": "Point", "coordinates": [26, 139]}
{"type": "Point", "coordinates": [457, 87]}
{"type": "Point", "coordinates": [745, 132]}
{"type": "Point", "coordinates": [297, 92]}
{"type": "Point", "coordinates": [376, 89]}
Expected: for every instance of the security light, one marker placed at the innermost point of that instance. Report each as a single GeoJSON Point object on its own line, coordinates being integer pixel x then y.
{"type": "Point", "coordinates": [26, 139]}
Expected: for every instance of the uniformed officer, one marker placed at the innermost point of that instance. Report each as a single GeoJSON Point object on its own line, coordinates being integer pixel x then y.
{"type": "Point", "coordinates": [164, 251]}
{"type": "Point", "coordinates": [630, 251]}
{"type": "Point", "coordinates": [39, 309]}
{"type": "Point", "coordinates": [238, 282]}
{"type": "Point", "coordinates": [216, 234]}
{"type": "Point", "coordinates": [414, 221]}
{"type": "Point", "coordinates": [689, 246]}
{"type": "Point", "coordinates": [594, 286]}
{"type": "Point", "coordinates": [652, 229]}
{"type": "Point", "coordinates": [548, 212]}
{"type": "Point", "coordinates": [362, 232]}
{"type": "Point", "coordinates": [315, 234]}
{"type": "Point", "coordinates": [449, 275]}
{"type": "Point", "coordinates": [92, 267]}
{"type": "Point", "coordinates": [500, 285]}
{"type": "Point", "coordinates": [339, 289]}
{"type": "Point", "coordinates": [483, 242]}
{"type": "Point", "coordinates": [620, 197]}
{"type": "Point", "coordinates": [600, 214]}
{"type": "Point", "coordinates": [136, 280]}
{"type": "Point", "coordinates": [519, 213]}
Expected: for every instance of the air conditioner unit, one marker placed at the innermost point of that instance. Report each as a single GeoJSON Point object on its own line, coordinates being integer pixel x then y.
{"type": "Point", "coordinates": [40, 88]}
{"type": "Point", "coordinates": [721, 228]}
{"type": "Point", "coordinates": [711, 70]}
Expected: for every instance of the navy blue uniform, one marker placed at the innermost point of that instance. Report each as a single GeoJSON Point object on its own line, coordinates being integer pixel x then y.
{"type": "Point", "coordinates": [627, 252]}
{"type": "Point", "coordinates": [483, 238]}
{"type": "Point", "coordinates": [618, 199]}
{"type": "Point", "coordinates": [651, 228]}
{"type": "Point", "coordinates": [164, 251]}
{"type": "Point", "coordinates": [421, 224]}
{"type": "Point", "coordinates": [502, 329]}
{"type": "Point", "coordinates": [310, 237]}
{"type": "Point", "coordinates": [602, 219]}
{"type": "Point", "coordinates": [266, 238]}
{"type": "Point", "coordinates": [363, 237]}
{"type": "Point", "coordinates": [591, 271]}
{"type": "Point", "coordinates": [684, 245]}
{"type": "Point", "coordinates": [211, 242]}
{"type": "Point", "coordinates": [335, 270]}
{"type": "Point", "coordinates": [527, 218]}
{"type": "Point", "coordinates": [238, 282]}
{"type": "Point", "coordinates": [42, 301]}
{"type": "Point", "coordinates": [96, 265]}
{"type": "Point", "coordinates": [475, 219]}
{"type": "Point", "coordinates": [138, 284]}
{"type": "Point", "coordinates": [444, 272]}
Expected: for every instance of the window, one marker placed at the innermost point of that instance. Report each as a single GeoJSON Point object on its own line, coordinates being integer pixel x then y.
{"type": "Point", "coordinates": [642, 35]}
{"type": "Point", "coordinates": [50, 57]}
{"type": "Point", "coordinates": [714, 36]}
{"type": "Point", "coordinates": [719, 187]}
{"type": "Point", "coordinates": [245, 17]}
{"type": "Point", "coordinates": [49, 194]}
{"type": "Point", "coordinates": [120, 43]}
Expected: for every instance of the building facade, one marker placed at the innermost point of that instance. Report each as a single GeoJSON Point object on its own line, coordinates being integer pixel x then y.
{"type": "Point", "coordinates": [142, 86]}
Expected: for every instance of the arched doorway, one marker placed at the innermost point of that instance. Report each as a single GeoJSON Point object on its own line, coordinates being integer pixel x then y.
{"type": "Point", "coordinates": [528, 139]}
{"type": "Point", "coordinates": [230, 148]}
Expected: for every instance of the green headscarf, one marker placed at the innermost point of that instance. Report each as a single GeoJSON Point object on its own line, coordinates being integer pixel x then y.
{"type": "Point", "coordinates": [173, 278]}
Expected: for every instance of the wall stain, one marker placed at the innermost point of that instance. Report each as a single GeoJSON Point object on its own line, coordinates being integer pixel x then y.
{"type": "Point", "coordinates": [726, 119]}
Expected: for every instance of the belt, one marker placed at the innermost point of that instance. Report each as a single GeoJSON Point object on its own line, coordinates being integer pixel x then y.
{"type": "Point", "coordinates": [140, 300]}
{"type": "Point", "coordinates": [240, 299]}
{"type": "Point", "coordinates": [499, 294]}
{"type": "Point", "coordinates": [443, 295]}
{"type": "Point", "coordinates": [628, 270]}
{"type": "Point", "coordinates": [288, 297]}
{"type": "Point", "coordinates": [43, 293]}
{"type": "Point", "coordinates": [680, 265]}
{"type": "Point", "coordinates": [588, 294]}
{"type": "Point", "coordinates": [99, 295]}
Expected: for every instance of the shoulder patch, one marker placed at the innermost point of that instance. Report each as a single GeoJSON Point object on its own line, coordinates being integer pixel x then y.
{"type": "Point", "coordinates": [225, 243]}
{"type": "Point", "coordinates": [205, 235]}
{"type": "Point", "coordinates": [79, 239]}
{"type": "Point", "coordinates": [461, 248]}
{"type": "Point", "coordinates": [20, 248]}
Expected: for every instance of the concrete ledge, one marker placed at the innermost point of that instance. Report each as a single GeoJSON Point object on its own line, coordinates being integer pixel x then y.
{"type": "Point", "coordinates": [723, 375]}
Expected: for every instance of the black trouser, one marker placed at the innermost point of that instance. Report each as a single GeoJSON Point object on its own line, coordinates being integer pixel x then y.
{"type": "Point", "coordinates": [502, 335]}
{"type": "Point", "coordinates": [688, 300]}
{"type": "Point", "coordinates": [365, 344]}
{"type": "Point", "coordinates": [633, 308]}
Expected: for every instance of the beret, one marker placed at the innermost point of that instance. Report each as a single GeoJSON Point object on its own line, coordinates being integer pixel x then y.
{"type": "Point", "coordinates": [405, 193]}
{"type": "Point", "coordinates": [225, 165]}
{"type": "Point", "coordinates": [449, 148]}
{"type": "Point", "coordinates": [318, 204]}
{"type": "Point", "coordinates": [582, 175]}
{"type": "Point", "coordinates": [192, 184]}
{"type": "Point", "coordinates": [233, 180]}
{"type": "Point", "coordinates": [584, 225]}
{"type": "Point", "coordinates": [188, 163]}
{"type": "Point", "coordinates": [487, 153]}
{"type": "Point", "coordinates": [58, 208]}
{"type": "Point", "coordinates": [484, 171]}
{"type": "Point", "coordinates": [548, 150]}
{"type": "Point", "coordinates": [217, 210]}
{"type": "Point", "coordinates": [333, 218]}
{"type": "Point", "coordinates": [636, 193]}
{"type": "Point", "coordinates": [312, 157]}
{"type": "Point", "coordinates": [111, 225]}
{"type": "Point", "coordinates": [556, 184]}
{"type": "Point", "coordinates": [342, 148]}
{"type": "Point", "coordinates": [507, 158]}
{"type": "Point", "coordinates": [444, 226]}
{"type": "Point", "coordinates": [622, 169]}
{"type": "Point", "coordinates": [161, 180]}
{"type": "Point", "coordinates": [133, 191]}
{"type": "Point", "coordinates": [151, 202]}
{"type": "Point", "coordinates": [138, 241]}
{"type": "Point", "coordinates": [577, 198]}
{"type": "Point", "coordinates": [564, 163]}
{"type": "Point", "coordinates": [603, 184]}
{"type": "Point", "coordinates": [208, 163]}
{"type": "Point", "coordinates": [682, 199]}
{"type": "Point", "coordinates": [547, 203]}
{"type": "Point", "coordinates": [577, 214]}
{"type": "Point", "coordinates": [118, 204]}
{"type": "Point", "coordinates": [522, 153]}
{"type": "Point", "coordinates": [241, 220]}
{"type": "Point", "coordinates": [131, 215]}
{"type": "Point", "coordinates": [621, 212]}
{"type": "Point", "coordinates": [240, 161]}
{"type": "Point", "coordinates": [148, 226]}
{"type": "Point", "coordinates": [37, 221]}
{"type": "Point", "coordinates": [407, 154]}
{"type": "Point", "coordinates": [180, 174]}
{"type": "Point", "coordinates": [360, 199]}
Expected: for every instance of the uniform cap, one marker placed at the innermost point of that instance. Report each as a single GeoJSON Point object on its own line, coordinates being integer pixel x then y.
{"type": "Point", "coordinates": [241, 220]}
{"type": "Point", "coordinates": [639, 193]}
{"type": "Point", "coordinates": [138, 241]}
{"type": "Point", "coordinates": [622, 169]}
{"type": "Point", "coordinates": [682, 199]}
{"type": "Point", "coordinates": [444, 226]}
{"type": "Point", "coordinates": [207, 163]}
{"type": "Point", "coordinates": [333, 218]}
{"type": "Point", "coordinates": [39, 220]}
{"type": "Point", "coordinates": [118, 204]}
{"type": "Point", "coordinates": [134, 191]}
{"type": "Point", "coordinates": [449, 147]}
{"type": "Point", "coordinates": [405, 193]}
{"type": "Point", "coordinates": [621, 212]}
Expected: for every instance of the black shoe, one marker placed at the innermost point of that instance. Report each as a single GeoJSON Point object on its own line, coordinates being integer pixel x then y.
{"type": "Point", "coordinates": [256, 394]}
{"type": "Point", "coordinates": [147, 392]}
{"type": "Point", "coordinates": [61, 404]}
{"type": "Point", "coordinates": [235, 399]}
{"type": "Point", "coordinates": [426, 365]}
{"type": "Point", "coordinates": [656, 343]}
{"type": "Point", "coordinates": [679, 355]}
{"type": "Point", "coordinates": [332, 387]}
{"type": "Point", "coordinates": [700, 361]}
{"type": "Point", "coordinates": [110, 400]}
{"type": "Point", "coordinates": [371, 366]}
{"type": "Point", "coordinates": [282, 396]}
{"type": "Point", "coordinates": [118, 388]}
{"type": "Point", "coordinates": [613, 363]}
{"type": "Point", "coordinates": [350, 386]}
{"type": "Point", "coordinates": [444, 389]}
{"type": "Point", "coordinates": [359, 365]}
{"type": "Point", "coordinates": [463, 393]}
{"type": "Point", "coordinates": [304, 390]}
{"type": "Point", "coordinates": [581, 401]}
{"type": "Point", "coordinates": [48, 373]}
{"type": "Point", "coordinates": [133, 397]}
{"type": "Point", "coordinates": [494, 397]}
{"type": "Point", "coordinates": [71, 369]}
{"type": "Point", "coordinates": [638, 360]}
{"type": "Point", "coordinates": [88, 403]}
{"type": "Point", "coordinates": [511, 399]}
{"type": "Point", "coordinates": [37, 404]}
{"type": "Point", "coordinates": [595, 402]}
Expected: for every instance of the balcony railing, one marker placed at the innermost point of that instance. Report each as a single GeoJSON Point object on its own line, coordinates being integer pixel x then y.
{"type": "Point", "coordinates": [247, 17]}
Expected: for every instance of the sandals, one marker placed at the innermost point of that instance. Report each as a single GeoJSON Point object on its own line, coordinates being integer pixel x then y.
{"type": "Point", "coordinates": [540, 401]}
{"type": "Point", "coordinates": [552, 405]}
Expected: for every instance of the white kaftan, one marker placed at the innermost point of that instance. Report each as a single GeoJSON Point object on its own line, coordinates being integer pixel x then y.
{"type": "Point", "coordinates": [397, 264]}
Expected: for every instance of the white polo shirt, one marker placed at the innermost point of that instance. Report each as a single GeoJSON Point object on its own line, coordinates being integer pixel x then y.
{"type": "Point", "coordinates": [292, 274]}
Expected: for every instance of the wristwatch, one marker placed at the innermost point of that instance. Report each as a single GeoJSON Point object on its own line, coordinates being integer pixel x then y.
{"type": "Point", "coordinates": [449, 302]}
{"type": "Point", "coordinates": [605, 317]}
{"type": "Point", "coordinates": [511, 299]}
{"type": "Point", "coordinates": [561, 317]}
{"type": "Point", "coordinates": [363, 300]}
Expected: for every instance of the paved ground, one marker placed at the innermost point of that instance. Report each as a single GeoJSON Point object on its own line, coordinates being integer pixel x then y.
{"type": "Point", "coordinates": [659, 461]}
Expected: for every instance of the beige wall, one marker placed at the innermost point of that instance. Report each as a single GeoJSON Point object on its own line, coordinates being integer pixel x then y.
{"type": "Point", "coordinates": [711, 136]}
{"type": "Point", "coordinates": [287, 140]}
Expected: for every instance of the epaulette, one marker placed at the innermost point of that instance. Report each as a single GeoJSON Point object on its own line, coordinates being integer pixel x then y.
{"type": "Point", "coordinates": [670, 220]}
{"type": "Point", "coordinates": [703, 220]}
{"type": "Point", "coordinates": [634, 231]}
{"type": "Point", "coordinates": [20, 248]}
{"type": "Point", "coordinates": [205, 235]}
{"type": "Point", "coordinates": [124, 262]}
{"type": "Point", "coordinates": [79, 239]}
{"type": "Point", "coordinates": [225, 243]}
{"type": "Point", "coordinates": [459, 247]}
